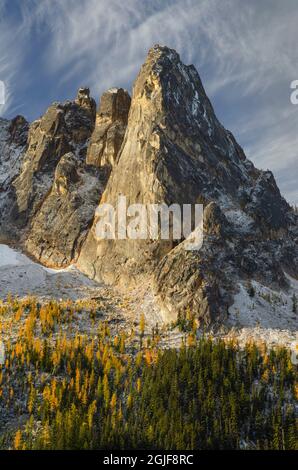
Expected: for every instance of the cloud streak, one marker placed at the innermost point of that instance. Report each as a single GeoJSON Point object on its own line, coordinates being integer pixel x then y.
{"type": "Point", "coordinates": [8, 65]}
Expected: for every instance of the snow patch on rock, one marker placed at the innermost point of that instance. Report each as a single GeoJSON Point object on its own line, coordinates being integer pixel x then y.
{"type": "Point", "coordinates": [20, 276]}
{"type": "Point", "coordinates": [266, 315]}
{"type": "Point", "coordinates": [240, 220]}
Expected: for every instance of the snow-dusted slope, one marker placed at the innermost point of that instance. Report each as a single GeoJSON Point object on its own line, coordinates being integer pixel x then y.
{"type": "Point", "coordinates": [20, 276]}
{"type": "Point", "coordinates": [267, 315]}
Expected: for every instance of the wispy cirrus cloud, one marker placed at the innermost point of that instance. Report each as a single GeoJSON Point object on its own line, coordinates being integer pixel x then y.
{"type": "Point", "coordinates": [7, 62]}
{"type": "Point", "coordinates": [13, 42]}
{"type": "Point", "coordinates": [245, 43]}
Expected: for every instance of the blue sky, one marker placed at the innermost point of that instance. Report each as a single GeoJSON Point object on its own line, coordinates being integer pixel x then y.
{"type": "Point", "coordinates": [245, 52]}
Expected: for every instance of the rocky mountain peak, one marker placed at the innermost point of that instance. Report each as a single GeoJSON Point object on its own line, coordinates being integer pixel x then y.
{"type": "Point", "coordinates": [65, 127]}
{"type": "Point", "coordinates": [164, 145]}
{"type": "Point", "coordinates": [84, 100]}
{"type": "Point", "coordinates": [176, 151]}
{"type": "Point", "coordinates": [181, 90]}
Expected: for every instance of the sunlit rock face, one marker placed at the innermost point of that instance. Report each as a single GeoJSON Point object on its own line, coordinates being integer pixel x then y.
{"type": "Point", "coordinates": [163, 145]}
{"type": "Point", "coordinates": [110, 126]}
{"type": "Point", "coordinates": [176, 151]}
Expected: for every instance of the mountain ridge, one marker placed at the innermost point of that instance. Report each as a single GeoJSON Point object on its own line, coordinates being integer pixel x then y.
{"type": "Point", "coordinates": [164, 145]}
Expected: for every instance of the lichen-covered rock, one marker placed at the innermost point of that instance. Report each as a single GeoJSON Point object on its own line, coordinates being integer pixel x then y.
{"type": "Point", "coordinates": [110, 126]}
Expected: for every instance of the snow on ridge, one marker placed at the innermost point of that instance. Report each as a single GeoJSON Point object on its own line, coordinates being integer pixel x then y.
{"type": "Point", "coordinates": [293, 282]}
{"type": "Point", "coordinates": [264, 314]}
{"type": "Point", "coordinates": [239, 219]}
{"type": "Point", "coordinates": [10, 257]}
{"type": "Point", "coordinates": [113, 90]}
{"type": "Point", "coordinates": [21, 276]}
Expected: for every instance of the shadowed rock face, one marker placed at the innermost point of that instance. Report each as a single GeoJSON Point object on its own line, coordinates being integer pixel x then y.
{"type": "Point", "coordinates": [165, 145]}
{"type": "Point", "coordinates": [13, 144]}
{"type": "Point", "coordinates": [71, 187]}
{"type": "Point", "coordinates": [63, 128]}
{"type": "Point", "coordinates": [18, 130]}
{"type": "Point", "coordinates": [110, 126]}
{"type": "Point", "coordinates": [61, 225]}
{"type": "Point", "coordinates": [52, 198]}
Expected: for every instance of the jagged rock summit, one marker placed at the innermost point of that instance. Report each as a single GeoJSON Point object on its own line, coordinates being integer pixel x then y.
{"type": "Point", "coordinates": [176, 151]}
{"type": "Point", "coordinates": [164, 145]}
{"type": "Point", "coordinates": [51, 199]}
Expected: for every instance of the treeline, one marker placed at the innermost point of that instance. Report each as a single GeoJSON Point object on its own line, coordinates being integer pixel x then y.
{"type": "Point", "coordinates": [108, 392]}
